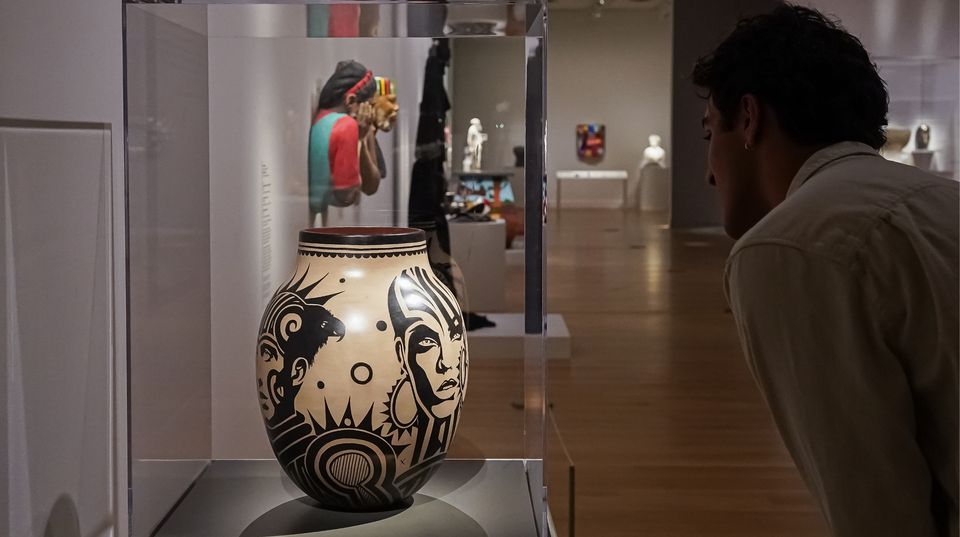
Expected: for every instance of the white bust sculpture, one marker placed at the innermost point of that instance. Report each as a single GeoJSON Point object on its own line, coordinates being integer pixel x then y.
{"type": "Point", "coordinates": [654, 154]}
{"type": "Point", "coordinates": [473, 155]}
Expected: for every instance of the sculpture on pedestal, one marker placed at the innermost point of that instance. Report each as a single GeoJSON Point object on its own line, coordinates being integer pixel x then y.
{"type": "Point", "coordinates": [654, 153]}
{"type": "Point", "coordinates": [473, 157]}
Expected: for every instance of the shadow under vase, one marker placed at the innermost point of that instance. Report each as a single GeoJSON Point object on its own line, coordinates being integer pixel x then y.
{"type": "Point", "coordinates": [424, 515]}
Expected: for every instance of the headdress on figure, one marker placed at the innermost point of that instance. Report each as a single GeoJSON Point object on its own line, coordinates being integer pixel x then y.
{"type": "Point", "coordinates": [349, 78]}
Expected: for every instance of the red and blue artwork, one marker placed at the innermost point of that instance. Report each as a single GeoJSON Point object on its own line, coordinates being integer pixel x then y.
{"type": "Point", "coordinates": [590, 141]}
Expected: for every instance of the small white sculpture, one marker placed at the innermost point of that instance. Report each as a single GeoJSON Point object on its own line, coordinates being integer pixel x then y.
{"type": "Point", "coordinates": [654, 154]}
{"type": "Point", "coordinates": [473, 153]}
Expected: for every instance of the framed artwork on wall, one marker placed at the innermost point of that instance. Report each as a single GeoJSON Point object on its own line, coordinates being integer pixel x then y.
{"type": "Point", "coordinates": [591, 140]}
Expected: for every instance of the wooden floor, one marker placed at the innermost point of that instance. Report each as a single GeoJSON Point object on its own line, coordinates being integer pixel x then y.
{"type": "Point", "coordinates": [668, 434]}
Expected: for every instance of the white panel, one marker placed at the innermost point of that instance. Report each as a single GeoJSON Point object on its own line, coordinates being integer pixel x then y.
{"type": "Point", "coordinates": [261, 98]}
{"type": "Point", "coordinates": [57, 338]}
{"type": "Point", "coordinates": [258, 21]}
{"type": "Point", "coordinates": [169, 256]}
{"type": "Point", "coordinates": [62, 60]}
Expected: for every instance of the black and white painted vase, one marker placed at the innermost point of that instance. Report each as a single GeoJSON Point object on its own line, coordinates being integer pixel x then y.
{"type": "Point", "coordinates": [361, 367]}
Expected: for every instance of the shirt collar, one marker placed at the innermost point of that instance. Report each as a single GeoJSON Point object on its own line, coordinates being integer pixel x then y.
{"type": "Point", "coordinates": [825, 156]}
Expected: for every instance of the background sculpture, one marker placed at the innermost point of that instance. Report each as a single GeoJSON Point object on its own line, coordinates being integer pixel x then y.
{"type": "Point", "coordinates": [345, 121]}
{"type": "Point", "coordinates": [473, 155]}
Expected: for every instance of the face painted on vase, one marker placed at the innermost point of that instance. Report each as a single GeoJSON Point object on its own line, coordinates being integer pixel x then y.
{"type": "Point", "coordinates": [269, 366]}
{"type": "Point", "coordinates": [293, 330]}
{"type": "Point", "coordinates": [430, 341]}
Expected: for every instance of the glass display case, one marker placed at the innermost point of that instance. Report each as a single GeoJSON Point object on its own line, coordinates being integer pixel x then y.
{"type": "Point", "coordinates": [248, 123]}
{"type": "Point", "coordinates": [924, 115]}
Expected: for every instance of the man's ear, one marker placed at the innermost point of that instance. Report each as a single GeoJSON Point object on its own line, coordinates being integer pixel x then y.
{"type": "Point", "coordinates": [299, 371]}
{"type": "Point", "coordinates": [750, 112]}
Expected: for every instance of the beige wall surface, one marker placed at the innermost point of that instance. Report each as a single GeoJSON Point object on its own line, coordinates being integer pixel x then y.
{"type": "Point", "coordinates": [614, 70]}
{"type": "Point", "coordinates": [61, 62]}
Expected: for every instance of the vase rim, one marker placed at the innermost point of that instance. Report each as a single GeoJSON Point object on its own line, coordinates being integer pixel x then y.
{"type": "Point", "coordinates": [361, 235]}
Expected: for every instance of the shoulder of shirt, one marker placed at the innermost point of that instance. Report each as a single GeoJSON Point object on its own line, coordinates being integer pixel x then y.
{"type": "Point", "coordinates": [831, 215]}
{"type": "Point", "coordinates": [344, 120]}
{"type": "Point", "coordinates": [345, 128]}
{"type": "Point", "coordinates": [329, 116]}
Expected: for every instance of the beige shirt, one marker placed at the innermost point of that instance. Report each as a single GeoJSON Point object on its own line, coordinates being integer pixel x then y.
{"type": "Point", "coordinates": [845, 298]}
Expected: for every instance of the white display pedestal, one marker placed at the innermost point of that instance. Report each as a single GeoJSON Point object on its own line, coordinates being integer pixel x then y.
{"type": "Point", "coordinates": [506, 339]}
{"type": "Point", "coordinates": [592, 175]}
{"type": "Point", "coordinates": [654, 188]}
{"type": "Point", "coordinates": [479, 248]}
{"type": "Point", "coordinates": [253, 498]}
{"type": "Point", "coordinates": [923, 159]}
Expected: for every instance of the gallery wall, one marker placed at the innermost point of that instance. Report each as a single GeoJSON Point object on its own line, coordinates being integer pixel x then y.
{"type": "Point", "coordinates": [613, 70]}
{"type": "Point", "coordinates": [898, 28]}
{"type": "Point", "coordinates": [63, 420]}
{"type": "Point", "coordinates": [698, 26]}
{"type": "Point", "coordinates": [262, 93]}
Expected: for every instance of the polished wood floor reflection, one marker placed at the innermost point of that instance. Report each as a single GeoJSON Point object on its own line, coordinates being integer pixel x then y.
{"type": "Point", "coordinates": [664, 424]}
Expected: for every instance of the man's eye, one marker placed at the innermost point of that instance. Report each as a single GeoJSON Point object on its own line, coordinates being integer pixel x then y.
{"type": "Point", "coordinates": [706, 136]}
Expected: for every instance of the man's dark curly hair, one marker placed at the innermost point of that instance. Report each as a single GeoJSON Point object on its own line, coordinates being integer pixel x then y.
{"type": "Point", "coordinates": [817, 78]}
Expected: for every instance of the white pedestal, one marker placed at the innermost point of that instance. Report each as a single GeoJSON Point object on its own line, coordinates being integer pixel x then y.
{"type": "Point", "coordinates": [250, 498]}
{"type": "Point", "coordinates": [592, 175]}
{"type": "Point", "coordinates": [480, 250]}
{"type": "Point", "coordinates": [654, 188]}
{"type": "Point", "coordinates": [506, 339]}
{"type": "Point", "coordinates": [923, 159]}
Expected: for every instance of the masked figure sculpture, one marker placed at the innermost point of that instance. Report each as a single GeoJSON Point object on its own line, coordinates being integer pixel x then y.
{"type": "Point", "coordinates": [344, 159]}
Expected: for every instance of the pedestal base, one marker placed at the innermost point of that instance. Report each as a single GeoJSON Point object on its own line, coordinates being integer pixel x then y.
{"type": "Point", "coordinates": [466, 498]}
{"type": "Point", "coordinates": [506, 339]}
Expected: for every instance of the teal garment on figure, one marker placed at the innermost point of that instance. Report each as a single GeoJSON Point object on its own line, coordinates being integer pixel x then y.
{"type": "Point", "coordinates": [334, 157]}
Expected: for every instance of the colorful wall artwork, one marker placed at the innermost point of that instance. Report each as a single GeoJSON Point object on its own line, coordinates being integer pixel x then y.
{"type": "Point", "coordinates": [590, 141]}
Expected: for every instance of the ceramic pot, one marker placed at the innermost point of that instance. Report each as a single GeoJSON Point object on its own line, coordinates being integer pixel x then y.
{"type": "Point", "coordinates": [361, 367]}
